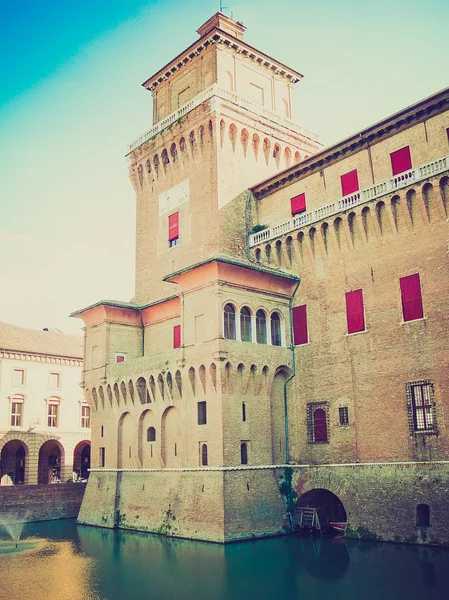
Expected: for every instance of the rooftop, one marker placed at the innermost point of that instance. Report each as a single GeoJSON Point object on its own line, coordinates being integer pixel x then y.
{"type": "Point", "coordinates": [40, 342]}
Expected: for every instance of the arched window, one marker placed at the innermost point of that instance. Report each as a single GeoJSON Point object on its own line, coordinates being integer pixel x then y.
{"type": "Point", "coordinates": [151, 434]}
{"type": "Point", "coordinates": [261, 327]}
{"type": "Point", "coordinates": [229, 322]}
{"type": "Point", "coordinates": [204, 455]}
{"type": "Point", "coordinates": [276, 329]}
{"type": "Point", "coordinates": [422, 515]}
{"type": "Point", "coordinates": [245, 325]}
{"type": "Point", "coordinates": [244, 453]}
{"type": "Point", "coordinates": [320, 425]}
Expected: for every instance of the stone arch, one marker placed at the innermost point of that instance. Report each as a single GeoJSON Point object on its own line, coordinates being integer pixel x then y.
{"type": "Point", "coordinates": [252, 383]}
{"type": "Point", "coordinates": [81, 460]}
{"type": "Point", "coordinates": [287, 157]}
{"type": "Point", "coordinates": [201, 134]}
{"type": "Point", "coordinates": [213, 375]}
{"type": "Point", "coordinates": [268, 253]}
{"type": "Point", "coordinates": [142, 391]}
{"type": "Point", "coordinates": [95, 398]}
{"type": "Point", "coordinates": [325, 236]}
{"type": "Point", "coordinates": [140, 174]}
{"type": "Point", "coordinates": [398, 215]}
{"type": "Point", "coordinates": [109, 393]}
{"type": "Point", "coordinates": [131, 390]}
{"type": "Point", "coordinates": [244, 137]}
{"type": "Point", "coordinates": [192, 379]}
{"type": "Point", "coordinates": [382, 218]}
{"type": "Point", "coordinates": [278, 247]}
{"type": "Point", "coordinates": [14, 458]}
{"type": "Point", "coordinates": [145, 420]}
{"type": "Point", "coordinates": [444, 193]}
{"type": "Point", "coordinates": [300, 238]}
{"type": "Point", "coordinates": [277, 154]}
{"type": "Point", "coordinates": [169, 380]}
{"type": "Point", "coordinates": [312, 233]}
{"type": "Point", "coordinates": [430, 203]}
{"type": "Point", "coordinates": [257, 254]}
{"type": "Point", "coordinates": [123, 390]}
{"type": "Point", "coordinates": [233, 135]}
{"type": "Point", "coordinates": [173, 152]}
{"type": "Point", "coordinates": [330, 507]}
{"type": "Point", "coordinates": [255, 145]}
{"type": "Point", "coordinates": [101, 394]}
{"type": "Point", "coordinates": [240, 379]}
{"type": "Point", "coordinates": [178, 380]}
{"type": "Point", "coordinates": [353, 229]}
{"type": "Point", "coordinates": [230, 80]}
{"type": "Point", "coordinates": [156, 163]}
{"type": "Point", "coordinates": [266, 149]}
{"type": "Point", "coordinates": [228, 378]}
{"type": "Point", "coordinates": [297, 157]}
{"type": "Point", "coordinates": [148, 166]}
{"type": "Point", "coordinates": [183, 147]}
{"type": "Point", "coordinates": [192, 141]}
{"type": "Point", "coordinates": [51, 462]}
{"type": "Point", "coordinates": [117, 394]}
{"type": "Point", "coordinates": [222, 132]}
{"type": "Point", "coordinates": [211, 128]}
{"type": "Point", "coordinates": [125, 440]}
{"type": "Point", "coordinates": [289, 248]}
{"type": "Point", "coordinates": [164, 158]}
{"type": "Point", "coordinates": [278, 417]}
{"type": "Point", "coordinates": [171, 437]}
{"type": "Point", "coordinates": [338, 230]}
{"type": "Point", "coordinates": [286, 108]}
{"type": "Point", "coordinates": [202, 375]}
{"type": "Point", "coordinates": [152, 387]}
{"type": "Point", "coordinates": [367, 224]}
{"type": "Point", "coordinates": [412, 206]}
{"type": "Point", "coordinates": [161, 386]}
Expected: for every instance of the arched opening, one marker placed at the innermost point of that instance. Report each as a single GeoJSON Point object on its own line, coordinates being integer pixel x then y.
{"type": "Point", "coordinates": [320, 425]}
{"type": "Point", "coordinates": [204, 455]}
{"type": "Point", "coordinates": [151, 434]}
{"type": "Point", "coordinates": [423, 515]}
{"type": "Point", "coordinates": [13, 463]}
{"type": "Point", "coordinates": [51, 459]}
{"type": "Point", "coordinates": [276, 338]}
{"type": "Point", "coordinates": [245, 325]}
{"type": "Point", "coordinates": [229, 322]}
{"type": "Point", "coordinates": [125, 442]}
{"type": "Point", "coordinates": [81, 460]}
{"type": "Point", "coordinates": [329, 507]}
{"type": "Point", "coordinates": [244, 453]}
{"type": "Point", "coordinates": [277, 411]}
{"type": "Point", "coordinates": [261, 327]}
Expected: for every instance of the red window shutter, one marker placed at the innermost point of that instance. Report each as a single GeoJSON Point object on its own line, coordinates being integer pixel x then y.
{"type": "Point", "coordinates": [173, 227]}
{"type": "Point", "coordinates": [401, 160]}
{"type": "Point", "coordinates": [320, 425]}
{"type": "Point", "coordinates": [119, 359]}
{"type": "Point", "coordinates": [298, 204]}
{"type": "Point", "coordinates": [411, 297]}
{"type": "Point", "coordinates": [349, 183]}
{"type": "Point", "coordinates": [354, 311]}
{"type": "Point", "coordinates": [177, 336]}
{"type": "Point", "coordinates": [300, 333]}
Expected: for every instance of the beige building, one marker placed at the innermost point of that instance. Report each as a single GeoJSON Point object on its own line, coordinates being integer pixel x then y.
{"type": "Point", "coordinates": [44, 419]}
{"type": "Point", "coordinates": [300, 321]}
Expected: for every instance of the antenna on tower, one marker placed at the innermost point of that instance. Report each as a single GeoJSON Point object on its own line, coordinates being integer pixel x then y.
{"type": "Point", "coordinates": [222, 8]}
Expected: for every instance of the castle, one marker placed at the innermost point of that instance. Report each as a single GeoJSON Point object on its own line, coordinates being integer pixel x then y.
{"type": "Point", "coordinates": [287, 342]}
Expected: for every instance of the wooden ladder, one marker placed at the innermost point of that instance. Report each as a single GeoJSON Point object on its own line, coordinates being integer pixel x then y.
{"type": "Point", "coordinates": [307, 518]}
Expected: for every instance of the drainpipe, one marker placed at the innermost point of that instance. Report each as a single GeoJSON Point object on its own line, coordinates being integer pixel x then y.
{"type": "Point", "coordinates": [292, 348]}
{"type": "Point", "coordinates": [247, 234]}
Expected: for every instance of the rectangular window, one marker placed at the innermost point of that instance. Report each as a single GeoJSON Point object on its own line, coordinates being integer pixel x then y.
{"type": "Point", "coordinates": [202, 414]}
{"type": "Point", "coordinates": [298, 204]}
{"type": "Point", "coordinates": [343, 415]}
{"type": "Point", "coordinates": [173, 229]}
{"type": "Point", "coordinates": [401, 160]}
{"type": "Point", "coordinates": [85, 416]}
{"type": "Point", "coordinates": [54, 381]}
{"type": "Point", "coordinates": [177, 336]}
{"type": "Point", "coordinates": [412, 307]}
{"type": "Point", "coordinates": [354, 311]}
{"type": "Point", "coordinates": [18, 377]}
{"type": "Point", "coordinates": [349, 183]}
{"type": "Point", "coordinates": [16, 414]}
{"type": "Point", "coordinates": [300, 333]}
{"type": "Point", "coordinates": [119, 358]}
{"type": "Point", "coordinates": [52, 415]}
{"type": "Point", "coordinates": [102, 456]}
{"type": "Point", "coordinates": [421, 406]}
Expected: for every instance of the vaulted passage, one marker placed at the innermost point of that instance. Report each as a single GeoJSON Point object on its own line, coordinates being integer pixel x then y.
{"type": "Point", "coordinates": [330, 508]}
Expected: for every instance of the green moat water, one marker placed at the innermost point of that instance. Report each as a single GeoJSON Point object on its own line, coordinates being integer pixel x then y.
{"type": "Point", "coordinates": [61, 560]}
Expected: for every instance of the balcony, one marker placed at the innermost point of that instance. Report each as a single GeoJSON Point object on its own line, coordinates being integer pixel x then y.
{"type": "Point", "coordinates": [415, 175]}
{"type": "Point", "coordinates": [214, 91]}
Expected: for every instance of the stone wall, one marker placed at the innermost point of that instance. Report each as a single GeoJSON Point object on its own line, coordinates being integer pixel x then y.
{"type": "Point", "coordinates": [27, 503]}
{"type": "Point", "coordinates": [224, 505]}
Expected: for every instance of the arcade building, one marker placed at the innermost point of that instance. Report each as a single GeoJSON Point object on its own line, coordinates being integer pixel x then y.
{"type": "Point", "coordinates": [287, 342]}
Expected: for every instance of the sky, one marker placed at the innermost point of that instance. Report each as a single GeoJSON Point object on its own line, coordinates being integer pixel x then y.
{"type": "Point", "coordinates": [71, 100]}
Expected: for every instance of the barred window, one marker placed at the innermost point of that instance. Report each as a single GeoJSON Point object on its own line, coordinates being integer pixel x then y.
{"type": "Point", "coordinates": [421, 407]}
{"type": "Point", "coordinates": [202, 413]}
{"type": "Point", "coordinates": [343, 415]}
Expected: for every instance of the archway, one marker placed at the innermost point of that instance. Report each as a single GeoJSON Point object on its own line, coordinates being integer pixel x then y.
{"type": "Point", "coordinates": [51, 460]}
{"type": "Point", "coordinates": [330, 507]}
{"type": "Point", "coordinates": [81, 460]}
{"type": "Point", "coordinates": [13, 462]}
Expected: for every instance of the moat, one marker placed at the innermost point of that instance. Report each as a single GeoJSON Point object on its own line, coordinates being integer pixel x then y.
{"type": "Point", "coordinates": [71, 562]}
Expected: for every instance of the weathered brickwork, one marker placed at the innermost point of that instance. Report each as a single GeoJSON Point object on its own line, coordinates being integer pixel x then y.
{"type": "Point", "coordinates": [199, 386]}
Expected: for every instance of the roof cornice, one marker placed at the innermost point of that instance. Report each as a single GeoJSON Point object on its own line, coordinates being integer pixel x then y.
{"type": "Point", "coordinates": [218, 36]}
{"type": "Point", "coordinates": [374, 134]}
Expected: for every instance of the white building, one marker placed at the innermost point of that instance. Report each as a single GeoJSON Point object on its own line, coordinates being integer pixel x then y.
{"type": "Point", "coordinates": [44, 420]}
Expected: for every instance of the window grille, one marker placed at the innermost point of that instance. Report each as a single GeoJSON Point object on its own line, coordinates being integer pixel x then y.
{"type": "Point", "coordinates": [318, 422]}
{"type": "Point", "coordinates": [343, 415]}
{"type": "Point", "coordinates": [421, 407]}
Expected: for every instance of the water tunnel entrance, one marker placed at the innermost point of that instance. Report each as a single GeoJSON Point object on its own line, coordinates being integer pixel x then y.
{"type": "Point", "coordinates": [320, 509]}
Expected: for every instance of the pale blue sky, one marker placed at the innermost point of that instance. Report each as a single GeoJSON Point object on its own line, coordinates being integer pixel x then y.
{"type": "Point", "coordinates": [71, 99]}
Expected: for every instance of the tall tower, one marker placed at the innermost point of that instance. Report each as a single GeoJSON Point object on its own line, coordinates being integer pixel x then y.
{"type": "Point", "coordinates": [192, 373]}
{"type": "Point", "coordinates": [223, 120]}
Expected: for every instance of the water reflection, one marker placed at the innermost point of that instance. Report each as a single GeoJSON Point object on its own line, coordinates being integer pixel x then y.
{"type": "Point", "coordinates": [99, 564]}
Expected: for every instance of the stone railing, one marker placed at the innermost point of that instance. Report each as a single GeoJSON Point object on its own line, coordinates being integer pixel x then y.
{"type": "Point", "coordinates": [215, 91]}
{"type": "Point", "coordinates": [364, 195]}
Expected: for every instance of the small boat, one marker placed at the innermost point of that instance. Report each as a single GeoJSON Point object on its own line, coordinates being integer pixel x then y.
{"type": "Point", "coordinates": [340, 527]}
